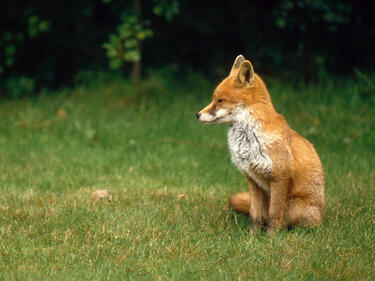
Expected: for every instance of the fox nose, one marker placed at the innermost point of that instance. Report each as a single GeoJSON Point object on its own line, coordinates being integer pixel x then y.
{"type": "Point", "coordinates": [198, 115]}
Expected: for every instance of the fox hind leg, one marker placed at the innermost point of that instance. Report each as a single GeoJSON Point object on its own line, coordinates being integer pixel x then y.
{"type": "Point", "coordinates": [300, 213]}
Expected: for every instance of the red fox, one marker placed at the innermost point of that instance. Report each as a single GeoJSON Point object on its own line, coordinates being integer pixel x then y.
{"type": "Point", "coordinates": [283, 171]}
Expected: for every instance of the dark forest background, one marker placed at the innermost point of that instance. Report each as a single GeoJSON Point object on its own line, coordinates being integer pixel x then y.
{"type": "Point", "coordinates": [49, 43]}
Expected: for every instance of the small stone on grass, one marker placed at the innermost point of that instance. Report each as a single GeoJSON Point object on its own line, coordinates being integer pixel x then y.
{"type": "Point", "coordinates": [180, 196]}
{"type": "Point", "coordinates": [101, 194]}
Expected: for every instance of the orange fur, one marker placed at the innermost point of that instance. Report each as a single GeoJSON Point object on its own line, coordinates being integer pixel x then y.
{"type": "Point", "coordinates": [284, 173]}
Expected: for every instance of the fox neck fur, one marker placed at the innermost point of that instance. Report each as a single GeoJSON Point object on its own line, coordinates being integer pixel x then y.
{"type": "Point", "coordinates": [248, 146]}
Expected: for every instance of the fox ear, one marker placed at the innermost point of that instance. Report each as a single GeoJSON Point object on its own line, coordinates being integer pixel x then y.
{"type": "Point", "coordinates": [245, 74]}
{"type": "Point", "coordinates": [236, 65]}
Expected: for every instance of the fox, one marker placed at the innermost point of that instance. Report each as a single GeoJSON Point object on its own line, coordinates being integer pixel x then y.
{"type": "Point", "coordinates": [284, 174]}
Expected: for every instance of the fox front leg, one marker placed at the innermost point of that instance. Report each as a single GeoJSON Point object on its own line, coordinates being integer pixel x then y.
{"type": "Point", "coordinates": [278, 198]}
{"type": "Point", "coordinates": [257, 206]}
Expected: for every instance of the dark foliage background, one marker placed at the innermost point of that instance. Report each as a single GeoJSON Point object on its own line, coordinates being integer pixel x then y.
{"type": "Point", "coordinates": [46, 43]}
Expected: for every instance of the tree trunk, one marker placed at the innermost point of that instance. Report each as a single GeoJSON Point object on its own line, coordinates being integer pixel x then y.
{"type": "Point", "coordinates": [135, 74]}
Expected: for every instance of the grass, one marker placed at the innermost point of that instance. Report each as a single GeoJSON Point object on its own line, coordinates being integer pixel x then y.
{"type": "Point", "coordinates": [145, 146]}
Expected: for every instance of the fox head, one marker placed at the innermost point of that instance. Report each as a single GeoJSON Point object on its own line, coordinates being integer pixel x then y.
{"type": "Point", "coordinates": [239, 90]}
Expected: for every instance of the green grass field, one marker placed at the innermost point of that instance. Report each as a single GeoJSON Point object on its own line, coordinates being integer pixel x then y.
{"type": "Point", "coordinates": [170, 177]}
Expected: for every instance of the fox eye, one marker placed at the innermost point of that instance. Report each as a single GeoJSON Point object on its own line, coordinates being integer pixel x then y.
{"type": "Point", "coordinates": [220, 100]}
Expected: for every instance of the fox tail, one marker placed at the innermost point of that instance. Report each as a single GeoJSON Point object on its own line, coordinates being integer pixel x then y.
{"type": "Point", "coordinates": [240, 202]}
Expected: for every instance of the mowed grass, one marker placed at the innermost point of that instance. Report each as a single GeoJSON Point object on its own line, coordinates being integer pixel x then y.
{"type": "Point", "coordinates": [170, 177]}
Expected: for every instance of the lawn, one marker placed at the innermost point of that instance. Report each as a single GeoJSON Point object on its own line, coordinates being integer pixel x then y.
{"type": "Point", "coordinates": [170, 176]}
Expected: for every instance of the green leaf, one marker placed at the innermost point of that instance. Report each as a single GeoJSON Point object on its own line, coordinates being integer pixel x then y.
{"type": "Point", "coordinates": [10, 50]}
{"type": "Point", "coordinates": [112, 52]}
{"type": "Point", "coordinates": [131, 43]}
{"type": "Point", "coordinates": [9, 61]}
{"type": "Point", "coordinates": [143, 34]}
{"type": "Point", "coordinates": [33, 31]}
{"type": "Point", "coordinates": [113, 39]}
{"type": "Point", "coordinates": [115, 63]}
{"type": "Point", "coordinates": [280, 22]}
{"type": "Point", "coordinates": [149, 32]}
{"type": "Point", "coordinates": [44, 26]}
{"type": "Point", "coordinates": [125, 33]}
{"type": "Point", "coordinates": [132, 56]}
{"type": "Point", "coordinates": [131, 20]}
{"type": "Point", "coordinates": [137, 27]}
{"type": "Point", "coordinates": [157, 10]}
{"type": "Point", "coordinates": [106, 45]}
{"type": "Point", "coordinates": [32, 20]}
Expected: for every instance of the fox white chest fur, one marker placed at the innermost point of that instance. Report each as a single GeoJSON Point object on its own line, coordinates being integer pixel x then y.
{"type": "Point", "coordinates": [248, 147]}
